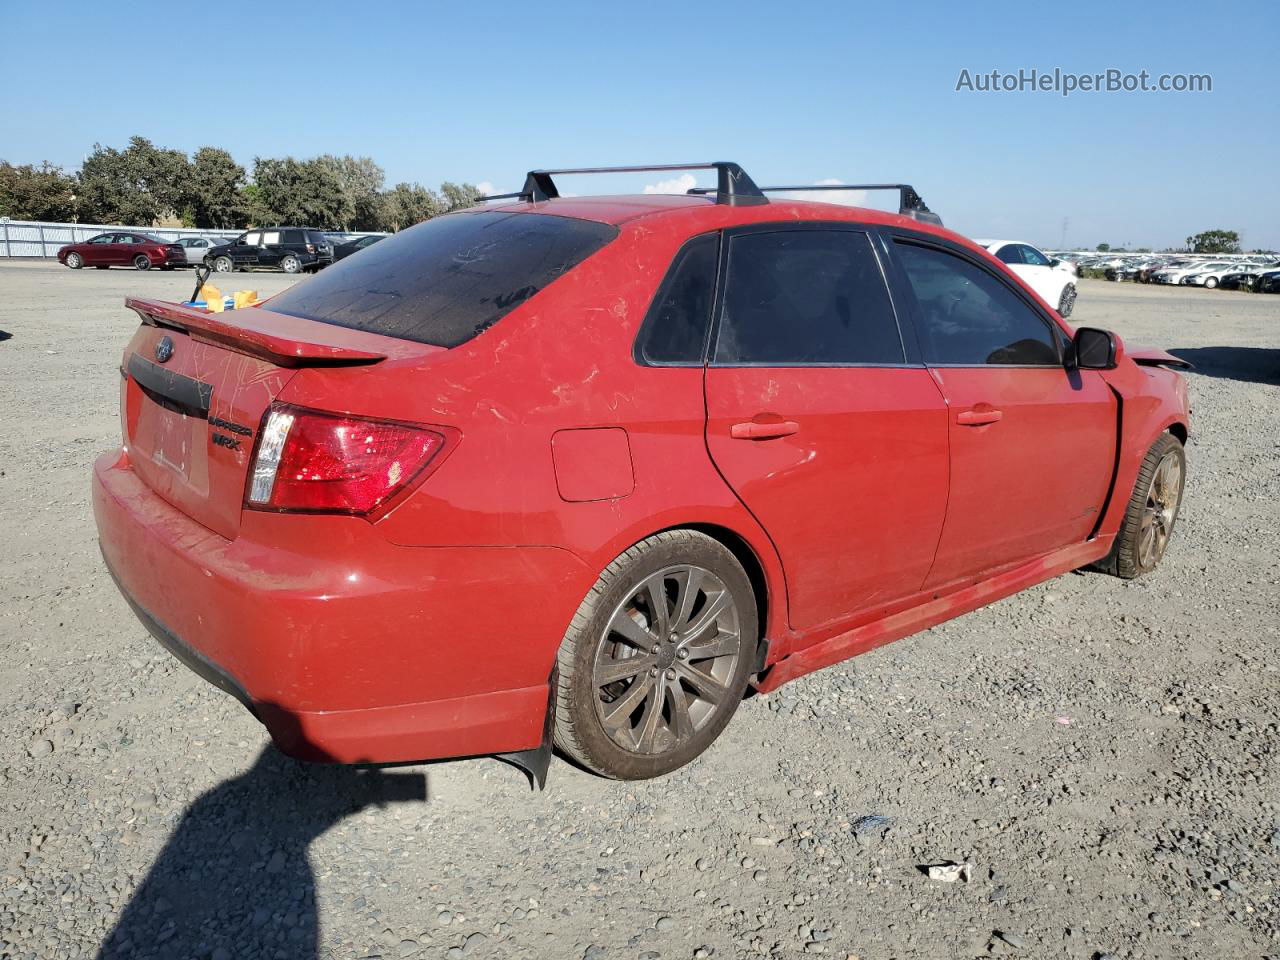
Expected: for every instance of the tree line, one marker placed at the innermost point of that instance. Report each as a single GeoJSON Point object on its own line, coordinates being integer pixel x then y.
{"type": "Point", "coordinates": [147, 185]}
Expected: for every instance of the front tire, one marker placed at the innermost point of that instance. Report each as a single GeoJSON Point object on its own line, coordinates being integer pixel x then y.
{"type": "Point", "coordinates": [291, 264]}
{"type": "Point", "coordinates": [1152, 511]}
{"type": "Point", "coordinates": [75, 261]}
{"type": "Point", "coordinates": [1210, 283]}
{"type": "Point", "coordinates": [141, 262]}
{"type": "Point", "coordinates": [1067, 301]}
{"type": "Point", "coordinates": [657, 657]}
{"type": "Point", "coordinates": [223, 265]}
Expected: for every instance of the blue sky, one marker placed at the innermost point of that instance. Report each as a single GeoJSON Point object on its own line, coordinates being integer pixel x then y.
{"type": "Point", "coordinates": [797, 93]}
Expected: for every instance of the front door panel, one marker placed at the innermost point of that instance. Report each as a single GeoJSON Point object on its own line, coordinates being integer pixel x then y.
{"type": "Point", "coordinates": [1032, 454]}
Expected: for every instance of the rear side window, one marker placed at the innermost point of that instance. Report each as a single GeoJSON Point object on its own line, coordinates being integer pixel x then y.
{"type": "Point", "coordinates": [292, 236]}
{"type": "Point", "coordinates": [969, 318]}
{"type": "Point", "coordinates": [675, 328]}
{"type": "Point", "coordinates": [1010, 253]}
{"type": "Point", "coordinates": [806, 296]}
{"type": "Point", "coordinates": [448, 279]}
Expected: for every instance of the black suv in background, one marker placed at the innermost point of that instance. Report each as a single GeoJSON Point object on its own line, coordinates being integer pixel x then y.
{"type": "Point", "coordinates": [291, 249]}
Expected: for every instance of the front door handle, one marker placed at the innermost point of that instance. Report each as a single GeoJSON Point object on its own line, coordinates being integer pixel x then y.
{"type": "Point", "coordinates": [751, 430]}
{"type": "Point", "coordinates": [976, 418]}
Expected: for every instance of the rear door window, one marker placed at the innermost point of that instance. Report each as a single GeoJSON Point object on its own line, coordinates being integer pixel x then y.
{"type": "Point", "coordinates": [292, 236]}
{"type": "Point", "coordinates": [448, 279]}
{"type": "Point", "coordinates": [798, 297]}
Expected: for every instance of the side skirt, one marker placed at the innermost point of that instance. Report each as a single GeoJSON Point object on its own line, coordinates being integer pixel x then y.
{"type": "Point", "coordinates": [903, 624]}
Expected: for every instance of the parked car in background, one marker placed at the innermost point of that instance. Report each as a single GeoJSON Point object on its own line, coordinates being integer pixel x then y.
{"type": "Point", "coordinates": [344, 250]}
{"type": "Point", "coordinates": [291, 249]}
{"type": "Point", "coordinates": [407, 510]}
{"type": "Point", "coordinates": [1054, 280]}
{"type": "Point", "coordinates": [197, 247]}
{"type": "Point", "coordinates": [1268, 282]}
{"type": "Point", "coordinates": [1208, 274]}
{"type": "Point", "coordinates": [141, 251]}
{"type": "Point", "coordinates": [1241, 278]}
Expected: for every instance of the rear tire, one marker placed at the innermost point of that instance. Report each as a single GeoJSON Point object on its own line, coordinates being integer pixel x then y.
{"type": "Point", "coordinates": [657, 657]}
{"type": "Point", "coordinates": [1210, 283]}
{"type": "Point", "coordinates": [141, 262]}
{"type": "Point", "coordinates": [1152, 511]}
{"type": "Point", "coordinates": [291, 264]}
{"type": "Point", "coordinates": [75, 261]}
{"type": "Point", "coordinates": [1067, 301]}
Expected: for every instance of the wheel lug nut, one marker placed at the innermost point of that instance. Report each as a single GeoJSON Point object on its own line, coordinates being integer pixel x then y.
{"type": "Point", "coordinates": [682, 654]}
{"type": "Point", "coordinates": [657, 648]}
{"type": "Point", "coordinates": [653, 671]}
{"type": "Point", "coordinates": [671, 674]}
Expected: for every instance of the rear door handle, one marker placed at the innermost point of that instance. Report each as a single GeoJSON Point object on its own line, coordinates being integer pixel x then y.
{"type": "Point", "coordinates": [976, 418]}
{"type": "Point", "coordinates": [751, 430]}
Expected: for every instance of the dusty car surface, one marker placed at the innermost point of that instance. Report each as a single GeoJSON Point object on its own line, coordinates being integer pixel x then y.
{"type": "Point", "coordinates": [577, 471]}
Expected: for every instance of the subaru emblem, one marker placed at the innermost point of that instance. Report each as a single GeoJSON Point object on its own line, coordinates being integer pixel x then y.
{"type": "Point", "coordinates": [164, 349]}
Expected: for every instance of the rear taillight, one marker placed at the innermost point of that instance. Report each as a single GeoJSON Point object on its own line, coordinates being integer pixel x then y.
{"type": "Point", "coordinates": [324, 463]}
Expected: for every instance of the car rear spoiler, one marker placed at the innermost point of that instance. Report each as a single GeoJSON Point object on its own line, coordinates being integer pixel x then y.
{"type": "Point", "coordinates": [284, 340]}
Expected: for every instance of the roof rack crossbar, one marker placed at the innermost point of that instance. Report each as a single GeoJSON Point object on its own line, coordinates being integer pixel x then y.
{"type": "Point", "coordinates": [734, 188]}
{"type": "Point", "coordinates": [910, 203]}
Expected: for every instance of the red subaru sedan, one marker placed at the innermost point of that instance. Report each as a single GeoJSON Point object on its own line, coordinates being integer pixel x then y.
{"type": "Point", "coordinates": [575, 472]}
{"type": "Point", "coordinates": [123, 248]}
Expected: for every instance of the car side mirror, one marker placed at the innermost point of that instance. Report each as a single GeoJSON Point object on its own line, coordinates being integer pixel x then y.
{"type": "Point", "coordinates": [1054, 263]}
{"type": "Point", "coordinates": [1093, 349]}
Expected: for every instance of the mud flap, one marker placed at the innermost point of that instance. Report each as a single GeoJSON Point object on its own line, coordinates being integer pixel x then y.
{"type": "Point", "coordinates": [536, 762]}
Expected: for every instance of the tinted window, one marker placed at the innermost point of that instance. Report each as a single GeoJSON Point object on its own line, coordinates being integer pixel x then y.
{"type": "Point", "coordinates": [1034, 257]}
{"type": "Point", "coordinates": [293, 236]}
{"type": "Point", "coordinates": [806, 296]}
{"type": "Point", "coordinates": [676, 326]}
{"type": "Point", "coordinates": [1010, 253]}
{"type": "Point", "coordinates": [969, 317]}
{"type": "Point", "coordinates": [447, 279]}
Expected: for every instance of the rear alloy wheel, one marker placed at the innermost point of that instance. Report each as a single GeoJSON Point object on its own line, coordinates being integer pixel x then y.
{"type": "Point", "coordinates": [1152, 511]}
{"type": "Point", "coordinates": [291, 264]}
{"type": "Point", "coordinates": [657, 658]}
{"type": "Point", "coordinates": [1067, 302]}
{"type": "Point", "coordinates": [140, 262]}
{"type": "Point", "coordinates": [75, 261]}
{"type": "Point", "coordinates": [223, 265]}
{"type": "Point", "coordinates": [1210, 282]}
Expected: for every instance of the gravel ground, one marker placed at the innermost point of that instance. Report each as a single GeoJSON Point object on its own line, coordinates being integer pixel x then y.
{"type": "Point", "coordinates": [1103, 754]}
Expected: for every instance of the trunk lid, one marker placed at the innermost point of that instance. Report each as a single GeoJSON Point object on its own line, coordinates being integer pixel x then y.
{"type": "Point", "coordinates": [195, 388]}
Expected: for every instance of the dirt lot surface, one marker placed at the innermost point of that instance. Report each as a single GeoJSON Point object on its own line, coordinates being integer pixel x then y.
{"type": "Point", "coordinates": [1105, 754]}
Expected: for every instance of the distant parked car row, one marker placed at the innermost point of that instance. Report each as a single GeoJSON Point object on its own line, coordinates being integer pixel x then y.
{"type": "Point", "coordinates": [291, 249]}
{"type": "Point", "coordinates": [1260, 273]}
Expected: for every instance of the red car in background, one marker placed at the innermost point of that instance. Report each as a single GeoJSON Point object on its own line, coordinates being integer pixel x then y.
{"type": "Point", "coordinates": [124, 248]}
{"type": "Point", "coordinates": [576, 471]}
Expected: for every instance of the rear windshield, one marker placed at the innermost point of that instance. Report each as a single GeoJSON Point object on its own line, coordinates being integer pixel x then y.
{"type": "Point", "coordinates": [448, 279]}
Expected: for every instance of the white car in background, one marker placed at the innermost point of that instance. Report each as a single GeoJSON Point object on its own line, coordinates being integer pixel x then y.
{"type": "Point", "coordinates": [1054, 280]}
{"type": "Point", "coordinates": [197, 247]}
{"type": "Point", "coordinates": [1208, 274]}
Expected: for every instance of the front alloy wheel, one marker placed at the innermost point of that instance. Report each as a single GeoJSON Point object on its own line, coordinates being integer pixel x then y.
{"type": "Point", "coordinates": [657, 658]}
{"type": "Point", "coordinates": [222, 265]}
{"type": "Point", "coordinates": [75, 261]}
{"type": "Point", "coordinates": [1067, 302]}
{"type": "Point", "coordinates": [291, 264]}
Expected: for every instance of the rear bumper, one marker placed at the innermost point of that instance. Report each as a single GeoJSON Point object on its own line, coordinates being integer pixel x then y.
{"type": "Point", "coordinates": [349, 649]}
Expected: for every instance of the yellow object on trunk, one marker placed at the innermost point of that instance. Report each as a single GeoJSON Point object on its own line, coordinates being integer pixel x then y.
{"type": "Point", "coordinates": [212, 298]}
{"type": "Point", "coordinates": [245, 298]}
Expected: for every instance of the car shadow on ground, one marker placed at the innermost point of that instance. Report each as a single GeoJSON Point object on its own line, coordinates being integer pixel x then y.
{"type": "Point", "coordinates": [234, 880]}
{"type": "Point", "coordinates": [1250, 364]}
